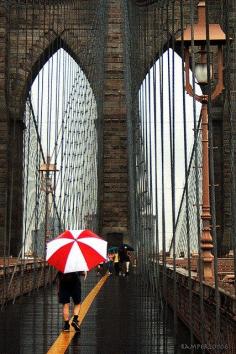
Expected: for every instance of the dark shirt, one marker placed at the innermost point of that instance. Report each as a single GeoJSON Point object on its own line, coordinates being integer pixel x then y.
{"type": "Point", "coordinates": [124, 256]}
{"type": "Point", "coordinates": [68, 278]}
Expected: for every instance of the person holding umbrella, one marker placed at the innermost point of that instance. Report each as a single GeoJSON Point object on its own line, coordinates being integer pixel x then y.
{"type": "Point", "coordinates": [74, 252]}
{"type": "Point", "coordinates": [69, 286]}
{"type": "Point", "coordinates": [124, 258]}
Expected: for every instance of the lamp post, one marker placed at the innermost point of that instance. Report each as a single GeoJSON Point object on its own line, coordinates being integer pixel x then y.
{"type": "Point", "coordinates": [203, 72]}
{"type": "Point", "coordinates": [47, 171]}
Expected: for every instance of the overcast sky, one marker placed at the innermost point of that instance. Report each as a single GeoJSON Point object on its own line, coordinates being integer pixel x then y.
{"type": "Point", "coordinates": [170, 99]}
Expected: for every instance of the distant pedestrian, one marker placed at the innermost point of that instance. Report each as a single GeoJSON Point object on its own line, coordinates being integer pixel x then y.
{"type": "Point", "coordinates": [116, 263]}
{"type": "Point", "coordinates": [110, 257]}
{"type": "Point", "coordinates": [69, 286]}
{"type": "Point", "coordinates": [124, 260]}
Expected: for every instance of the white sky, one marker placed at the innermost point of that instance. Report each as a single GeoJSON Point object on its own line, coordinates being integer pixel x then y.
{"type": "Point", "coordinates": [179, 135]}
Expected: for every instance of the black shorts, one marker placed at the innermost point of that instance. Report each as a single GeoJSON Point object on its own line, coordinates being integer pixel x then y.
{"type": "Point", "coordinates": [70, 290]}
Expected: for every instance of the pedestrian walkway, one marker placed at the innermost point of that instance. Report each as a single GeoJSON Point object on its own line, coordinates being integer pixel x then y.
{"type": "Point", "coordinates": [122, 318]}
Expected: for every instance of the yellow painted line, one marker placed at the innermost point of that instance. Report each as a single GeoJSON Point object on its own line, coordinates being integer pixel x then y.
{"type": "Point", "coordinates": [62, 342]}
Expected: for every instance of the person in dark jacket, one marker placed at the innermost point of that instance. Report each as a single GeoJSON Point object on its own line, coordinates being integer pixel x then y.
{"type": "Point", "coordinates": [124, 260]}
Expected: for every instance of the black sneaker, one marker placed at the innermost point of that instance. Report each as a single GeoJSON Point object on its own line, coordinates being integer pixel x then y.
{"type": "Point", "coordinates": [75, 324]}
{"type": "Point", "coordinates": [66, 327]}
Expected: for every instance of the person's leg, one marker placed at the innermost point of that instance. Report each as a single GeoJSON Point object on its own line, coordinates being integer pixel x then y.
{"type": "Point", "coordinates": [120, 268]}
{"type": "Point", "coordinates": [117, 268]}
{"type": "Point", "coordinates": [98, 270]}
{"type": "Point", "coordinates": [75, 320]}
{"type": "Point", "coordinates": [66, 312]}
{"type": "Point", "coordinates": [66, 316]}
{"type": "Point", "coordinates": [127, 264]}
{"type": "Point", "coordinates": [64, 299]}
{"type": "Point", "coordinates": [77, 300]}
{"type": "Point", "coordinates": [110, 266]}
{"type": "Point", "coordinates": [123, 267]}
{"type": "Point", "coordinates": [77, 309]}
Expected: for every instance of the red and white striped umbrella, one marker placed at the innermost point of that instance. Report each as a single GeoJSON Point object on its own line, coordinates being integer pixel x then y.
{"type": "Point", "coordinates": [76, 250]}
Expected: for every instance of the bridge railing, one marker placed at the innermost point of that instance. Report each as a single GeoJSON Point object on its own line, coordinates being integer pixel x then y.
{"type": "Point", "coordinates": [21, 276]}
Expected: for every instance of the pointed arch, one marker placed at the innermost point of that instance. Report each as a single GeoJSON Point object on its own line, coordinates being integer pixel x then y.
{"type": "Point", "coordinates": [58, 43]}
{"type": "Point", "coordinates": [167, 119]}
{"type": "Point", "coordinates": [37, 56]}
{"type": "Point", "coordinates": [60, 120]}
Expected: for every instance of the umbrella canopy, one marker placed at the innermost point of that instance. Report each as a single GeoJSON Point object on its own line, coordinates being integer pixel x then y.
{"type": "Point", "coordinates": [127, 247]}
{"type": "Point", "coordinates": [76, 250]}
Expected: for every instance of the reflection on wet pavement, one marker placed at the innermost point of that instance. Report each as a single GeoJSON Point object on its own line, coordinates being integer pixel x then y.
{"type": "Point", "coordinates": [125, 318]}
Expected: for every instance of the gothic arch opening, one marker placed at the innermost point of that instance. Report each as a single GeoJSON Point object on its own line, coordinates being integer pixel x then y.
{"type": "Point", "coordinates": [60, 153]}
{"type": "Point", "coordinates": [167, 118]}
{"type": "Point", "coordinates": [41, 59]}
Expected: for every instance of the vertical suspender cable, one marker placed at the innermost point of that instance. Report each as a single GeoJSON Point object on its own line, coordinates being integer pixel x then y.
{"type": "Point", "coordinates": [173, 178]}
{"type": "Point", "coordinates": [145, 118]}
{"type": "Point", "coordinates": [130, 112]}
{"type": "Point", "coordinates": [163, 184]}
{"type": "Point", "coordinates": [212, 188]}
{"type": "Point", "coordinates": [6, 250]}
{"type": "Point", "coordinates": [196, 132]}
{"type": "Point", "coordinates": [229, 87]}
{"type": "Point", "coordinates": [150, 154]}
{"type": "Point", "coordinates": [156, 206]}
{"type": "Point", "coordinates": [13, 130]}
{"type": "Point", "coordinates": [188, 226]}
{"type": "Point", "coordinates": [156, 235]}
